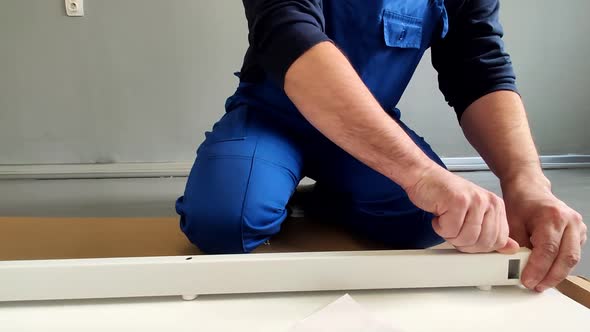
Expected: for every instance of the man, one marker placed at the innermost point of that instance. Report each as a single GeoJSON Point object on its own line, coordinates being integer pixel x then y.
{"type": "Point", "coordinates": [317, 96]}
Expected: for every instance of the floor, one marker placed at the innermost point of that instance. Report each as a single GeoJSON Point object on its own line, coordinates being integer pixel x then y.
{"type": "Point", "coordinates": [155, 197]}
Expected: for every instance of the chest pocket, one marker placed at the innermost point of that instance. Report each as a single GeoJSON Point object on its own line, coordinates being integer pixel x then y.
{"type": "Point", "coordinates": [402, 31]}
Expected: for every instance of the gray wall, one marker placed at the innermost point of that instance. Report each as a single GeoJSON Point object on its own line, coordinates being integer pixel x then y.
{"type": "Point", "coordinates": [550, 48]}
{"type": "Point", "coordinates": [141, 80]}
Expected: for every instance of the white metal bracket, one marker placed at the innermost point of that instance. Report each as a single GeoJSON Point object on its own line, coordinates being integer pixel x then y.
{"type": "Point", "coordinates": [254, 273]}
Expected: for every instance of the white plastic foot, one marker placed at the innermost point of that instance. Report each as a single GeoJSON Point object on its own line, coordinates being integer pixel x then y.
{"type": "Point", "coordinates": [485, 288]}
{"type": "Point", "coordinates": [189, 297]}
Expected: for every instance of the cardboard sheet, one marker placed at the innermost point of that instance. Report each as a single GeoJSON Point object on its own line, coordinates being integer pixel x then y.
{"type": "Point", "coordinates": [63, 238]}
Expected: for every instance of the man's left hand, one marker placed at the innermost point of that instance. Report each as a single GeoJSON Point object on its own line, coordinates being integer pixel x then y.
{"type": "Point", "coordinates": [553, 230]}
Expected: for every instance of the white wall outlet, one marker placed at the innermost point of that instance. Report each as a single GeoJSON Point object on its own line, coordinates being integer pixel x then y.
{"type": "Point", "coordinates": [75, 7]}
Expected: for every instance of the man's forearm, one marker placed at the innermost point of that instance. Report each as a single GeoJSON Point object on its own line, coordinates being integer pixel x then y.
{"type": "Point", "coordinates": [497, 126]}
{"type": "Point", "coordinates": [331, 96]}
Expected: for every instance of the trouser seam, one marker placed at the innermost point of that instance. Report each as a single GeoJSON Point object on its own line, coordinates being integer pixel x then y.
{"type": "Point", "coordinates": [246, 194]}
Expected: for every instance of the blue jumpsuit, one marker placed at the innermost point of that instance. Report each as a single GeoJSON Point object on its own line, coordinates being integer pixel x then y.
{"type": "Point", "coordinates": [254, 157]}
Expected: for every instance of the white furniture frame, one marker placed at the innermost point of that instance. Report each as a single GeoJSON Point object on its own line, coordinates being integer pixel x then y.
{"type": "Point", "coordinates": [190, 276]}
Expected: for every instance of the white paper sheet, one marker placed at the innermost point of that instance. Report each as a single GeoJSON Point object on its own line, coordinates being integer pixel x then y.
{"type": "Point", "coordinates": [342, 315]}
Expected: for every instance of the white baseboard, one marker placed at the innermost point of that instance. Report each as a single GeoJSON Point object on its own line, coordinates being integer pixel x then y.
{"type": "Point", "coordinates": [180, 169]}
{"type": "Point", "coordinates": [90, 171]}
{"type": "Point", "coordinates": [459, 164]}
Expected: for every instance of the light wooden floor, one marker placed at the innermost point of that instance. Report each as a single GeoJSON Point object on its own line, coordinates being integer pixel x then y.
{"type": "Point", "coordinates": [155, 197]}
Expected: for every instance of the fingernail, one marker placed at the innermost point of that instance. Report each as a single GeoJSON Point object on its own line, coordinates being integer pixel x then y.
{"type": "Point", "coordinates": [541, 288]}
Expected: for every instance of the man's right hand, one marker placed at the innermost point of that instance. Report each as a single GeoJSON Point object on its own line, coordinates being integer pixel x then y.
{"type": "Point", "coordinates": [469, 217]}
{"type": "Point", "coordinates": [329, 93]}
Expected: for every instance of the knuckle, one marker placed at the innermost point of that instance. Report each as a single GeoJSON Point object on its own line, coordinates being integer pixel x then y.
{"type": "Point", "coordinates": [554, 214]}
{"type": "Point", "coordinates": [550, 249]}
{"type": "Point", "coordinates": [494, 199]}
{"type": "Point", "coordinates": [462, 200]}
{"type": "Point", "coordinates": [580, 224]}
{"type": "Point", "coordinates": [571, 260]}
{"type": "Point", "coordinates": [487, 198]}
{"type": "Point", "coordinates": [477, 199]}
{"type": "Point", "coordinates": [556, 223]}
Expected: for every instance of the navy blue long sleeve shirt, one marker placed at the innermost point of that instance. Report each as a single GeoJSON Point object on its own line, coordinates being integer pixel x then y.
{"type": "Point", "coordinates": [384, 40]}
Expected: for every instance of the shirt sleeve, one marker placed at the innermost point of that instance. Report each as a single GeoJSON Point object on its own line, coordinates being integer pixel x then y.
{"type": "Point", "coordinates": [280, 31]}
{"type": "Point", "coordinates": [471, 60]}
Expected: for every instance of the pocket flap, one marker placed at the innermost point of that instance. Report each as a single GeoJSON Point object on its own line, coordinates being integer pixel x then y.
{"type": "Point", "coordinates": [401, 30]}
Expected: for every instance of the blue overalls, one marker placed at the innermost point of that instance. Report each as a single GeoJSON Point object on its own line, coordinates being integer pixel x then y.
{"type": "Point", "coordinates": [253, 159]}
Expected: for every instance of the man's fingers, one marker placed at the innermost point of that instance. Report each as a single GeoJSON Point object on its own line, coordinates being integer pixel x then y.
{"type": "Point", "coordinates": [502, 239]}
{"type": "Point", "coordinates": [545, 250]}
{"type": "Point", "coordinates": [487, 237]}
{"type": "Point", "coordinates": [520, 235]}
{"type": "Point", "coordinates": [511, 247]}
{"type": "Point", "coordinates": [489, 232]}
{"type": "Point", "coordinates": [568, 257]}
{"type": "Point", "coordinates": [448, 225]}
{"type": "Point", "coordinates": [471, 228]}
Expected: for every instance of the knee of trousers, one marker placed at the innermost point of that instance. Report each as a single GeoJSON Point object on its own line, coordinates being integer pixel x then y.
{"type": "Point", "coordinates": [398, 230]}
{"type": "Point", "coordinates": [227, 227]}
